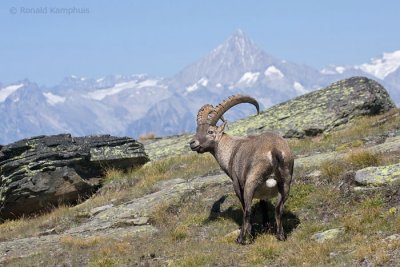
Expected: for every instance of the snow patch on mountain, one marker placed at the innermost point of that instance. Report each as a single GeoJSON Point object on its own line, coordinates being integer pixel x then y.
{"type": "Point", "coordinates": [53, 99]}
{"type": "Point", "coordinates": [273, 73]}
{"type": "Point", "coordinates": [248, 79]}
{"type": "Point", "coordinates": [146, 83]}
{"type": "Point", "coordinates": [192, 88]}
{"type": "Point", "coordinates": [9, 90]}
{"type": "Point", "coordinates": [202, 82]}
{"type": "Point", "coordinates": [382, 67]}
{"type": "Point", "coordinates": [119, 87]}
{"type": "Point", "coordinates": [332, 70]}
{"type": "Point", "coordinates": [299, 88]}
{"type": "Point", "coordinates": [340, 69]}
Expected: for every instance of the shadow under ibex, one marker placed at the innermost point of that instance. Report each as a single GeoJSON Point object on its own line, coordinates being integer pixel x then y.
{"type": "Point", "coordinates": [290, 220]}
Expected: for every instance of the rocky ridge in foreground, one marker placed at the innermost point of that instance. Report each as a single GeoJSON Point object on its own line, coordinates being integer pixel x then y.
{"type": "Point", "coordinates": [45, 171]}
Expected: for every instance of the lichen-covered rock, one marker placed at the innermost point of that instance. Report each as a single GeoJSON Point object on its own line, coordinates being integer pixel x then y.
{"type": "Point", "coordinates": [44, 171]}
{"type": "Point", "coordinates": [308, 115]}
{"type": "Point", "coordinates": [330, 234]}
{"type": "Point", "coordinates": [321, 110]}
{"type": "Point", "coordinates": [378, 176]}
{"type": "Point", "coordinates": [168, 146]}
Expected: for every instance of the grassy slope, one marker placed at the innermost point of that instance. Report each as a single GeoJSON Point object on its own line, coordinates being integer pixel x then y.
{"type": "Point", "coordinates": [199, 232]}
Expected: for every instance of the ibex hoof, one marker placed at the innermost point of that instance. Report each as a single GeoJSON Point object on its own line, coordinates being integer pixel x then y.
{"type": "Point", "coordinates": [281, 236]}
{"type": "Point", "coordinates": [244, 240]}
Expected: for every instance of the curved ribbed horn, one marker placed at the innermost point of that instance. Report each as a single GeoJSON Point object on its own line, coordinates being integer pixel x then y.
{"type": "Point", "coordinates": [230, 102]}
{"type": "Point", "coordinates": [204, 112]}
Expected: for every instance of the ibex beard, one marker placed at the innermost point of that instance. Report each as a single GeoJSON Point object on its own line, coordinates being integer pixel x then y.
{"type": "Point", "coordinates": [248, 161]}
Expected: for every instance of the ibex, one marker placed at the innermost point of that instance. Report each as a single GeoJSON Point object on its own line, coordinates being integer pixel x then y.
{"type": "Point", "coordinates": [248, 161]}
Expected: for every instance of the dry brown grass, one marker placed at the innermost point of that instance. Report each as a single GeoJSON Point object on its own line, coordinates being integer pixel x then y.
{"type": "Point", "coordinates": [146, 137]}
{"type": "Point", "coordinates": [361, 159]}
{"type": "Point", "coordinates": [142, 179]}
{"type": "Point", "coordinates": [81, 243]}
{"type": "Point", "coordinates": [59, 219]}
{"type": "Point", "coordinates": [188, 236]}
{"type": "Point", "coordinates": [331, 170]}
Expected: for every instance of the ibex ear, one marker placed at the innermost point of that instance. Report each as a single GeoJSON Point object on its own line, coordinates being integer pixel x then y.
{"type": "Point", "coordinates": [221, 128]}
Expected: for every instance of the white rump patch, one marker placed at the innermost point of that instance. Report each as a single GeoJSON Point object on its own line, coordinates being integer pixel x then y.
{"type": "Point", "coordinates": [271, 183]}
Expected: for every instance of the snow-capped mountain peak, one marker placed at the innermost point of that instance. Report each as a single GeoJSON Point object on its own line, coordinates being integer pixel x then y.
{"type": "Point", "coordinates": [138, 103]}
{"type": "Point", "coordinates": [226, 63]}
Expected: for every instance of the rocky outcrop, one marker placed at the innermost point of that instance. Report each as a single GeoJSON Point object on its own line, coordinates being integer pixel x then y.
{"type": "Point", "coordinates": [378, 176]}
{"type": "Point", "coordinates": [308, 115]}
{"type": "Point", "coordinates": [45, 171]}
{"type": "Point", "coordinates": [320, 111]}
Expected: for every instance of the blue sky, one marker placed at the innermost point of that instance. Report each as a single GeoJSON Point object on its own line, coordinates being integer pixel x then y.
{"type": "Point", "coordinates": [161, 37]}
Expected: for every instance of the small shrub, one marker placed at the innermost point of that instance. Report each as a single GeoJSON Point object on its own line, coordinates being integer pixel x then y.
{"type": "Point", "coordinates": [373, 202]}
{"type": "Point", "coordinates": [332, 169]}
{"type": "Point", "coordinates": [362, 159]}
{"type": "Point", "coordinates": [342, 148]}
{"type": "Point", "coordinates": [113, 174]}
{"type": "Point", "coordinates": [180, 232]}
{"type": "Point", "coordinates": [357, 143]}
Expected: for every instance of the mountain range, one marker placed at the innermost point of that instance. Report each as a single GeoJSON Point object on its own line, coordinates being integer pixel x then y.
{"type": "Point", "coordinates": [138, 104]}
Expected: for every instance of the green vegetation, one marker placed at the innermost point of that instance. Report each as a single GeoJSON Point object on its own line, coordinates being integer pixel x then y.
{"type": "Point", "coordinates": [362, 159]}
{"type": "Point", "coordinates": [198, 232]}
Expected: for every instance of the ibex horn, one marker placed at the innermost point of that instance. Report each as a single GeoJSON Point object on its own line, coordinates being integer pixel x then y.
{"type": "Point", "coordinates": [230, 102]}
{"type": "Point", "coordinates": [204, 112]}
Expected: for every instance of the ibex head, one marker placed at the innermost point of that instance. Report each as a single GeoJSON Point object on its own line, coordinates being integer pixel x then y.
{"type": "Point", "coordinates": [208, 133]}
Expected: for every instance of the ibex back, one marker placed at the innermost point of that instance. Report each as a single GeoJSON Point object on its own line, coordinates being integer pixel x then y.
{"type": "Point", "coordinates": [248, 161]}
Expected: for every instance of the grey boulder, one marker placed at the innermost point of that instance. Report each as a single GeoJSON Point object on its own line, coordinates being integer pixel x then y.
{"type": "Point", "coordinates": [42, 172]}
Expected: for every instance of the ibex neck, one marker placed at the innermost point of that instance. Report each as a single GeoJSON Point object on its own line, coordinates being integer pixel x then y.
{"type": "Point", "coordinates": [223, 151]}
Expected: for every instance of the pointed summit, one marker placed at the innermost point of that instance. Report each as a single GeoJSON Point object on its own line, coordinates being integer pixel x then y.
{"type": "Point", "coordinates": [239, 37]}
{"type": "Point", "coordinates": [239, 44]}
{"type": "Point", "coordinates": [227, 62]}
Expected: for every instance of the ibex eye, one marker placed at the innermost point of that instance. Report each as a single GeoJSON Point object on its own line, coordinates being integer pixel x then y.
{"type": "Point", "coordinates": [210, 132]}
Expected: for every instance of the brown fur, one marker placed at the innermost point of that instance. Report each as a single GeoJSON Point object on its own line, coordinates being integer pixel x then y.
{"type": "Point", "coordinates": [249, 161]}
